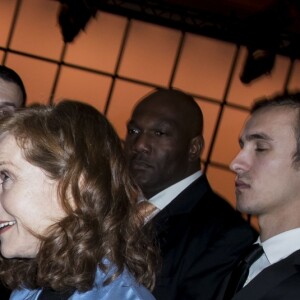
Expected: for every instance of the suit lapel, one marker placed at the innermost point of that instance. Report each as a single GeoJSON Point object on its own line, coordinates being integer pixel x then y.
{"type": "Point", "coordinates": [185, 201]}
{"type": "Point", "coordinates": [183, 204]}
{"type": "Point", "coordinates": [177, 212]}
{"type": "Point", "coordinates": [269, 278]}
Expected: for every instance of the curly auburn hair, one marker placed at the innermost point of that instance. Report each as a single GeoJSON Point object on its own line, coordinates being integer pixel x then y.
{"type": "Point", "coordinates": [77, 147]}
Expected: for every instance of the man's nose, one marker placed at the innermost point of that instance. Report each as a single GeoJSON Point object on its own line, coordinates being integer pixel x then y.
{"type": "Point", "coordinates": [142, 144]}
{"type": "Point", "coordinates": [239, 163]}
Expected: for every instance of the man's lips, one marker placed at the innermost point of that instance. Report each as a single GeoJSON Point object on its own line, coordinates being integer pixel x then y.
{"type": "Point", "coordinates": [240, 185]}
{"type": "Point", "coordinates": [139, 164]}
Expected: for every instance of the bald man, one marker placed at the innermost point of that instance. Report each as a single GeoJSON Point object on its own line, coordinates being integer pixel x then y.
{"type": "Point", "coordinates": [200, 235]}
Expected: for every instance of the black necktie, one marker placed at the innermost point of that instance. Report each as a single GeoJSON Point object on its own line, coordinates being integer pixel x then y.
{"type": "Point", "coordinates": [241, 271]}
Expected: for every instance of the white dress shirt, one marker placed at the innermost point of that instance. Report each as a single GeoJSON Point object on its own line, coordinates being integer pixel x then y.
{"type": "Point", "coordinates": [275, 248]}
{"type": "Point", "coordinates": [163, 198]}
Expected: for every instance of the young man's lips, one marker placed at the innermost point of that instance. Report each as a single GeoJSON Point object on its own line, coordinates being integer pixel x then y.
{"type": "Point", "coordinates": [239, 184]}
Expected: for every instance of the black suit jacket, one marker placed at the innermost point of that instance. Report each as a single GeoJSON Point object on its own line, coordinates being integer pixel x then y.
{"type": "Point", "coordinates": [4, 293]}
{"type": "Point", "coordinates": [280, 281]}
{"type": "Point", "coordinates": [201, 237]}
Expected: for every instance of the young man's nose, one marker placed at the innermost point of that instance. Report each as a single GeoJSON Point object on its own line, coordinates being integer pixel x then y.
{"type": "Point", "coordinates": [239, 163]}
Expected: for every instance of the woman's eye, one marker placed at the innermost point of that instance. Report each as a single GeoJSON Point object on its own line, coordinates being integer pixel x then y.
{"type": "Point", "coordinates": [3, 178]}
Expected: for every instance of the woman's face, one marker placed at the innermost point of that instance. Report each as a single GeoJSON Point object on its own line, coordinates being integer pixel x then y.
{"type": "Point", "coordinates": [28, 202]}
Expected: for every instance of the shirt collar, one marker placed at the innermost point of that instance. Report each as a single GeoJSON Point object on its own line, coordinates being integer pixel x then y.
{"type": "Point", "coordinates": [282, 245]}
{"type": "Point", "coordinates": [162, 199]}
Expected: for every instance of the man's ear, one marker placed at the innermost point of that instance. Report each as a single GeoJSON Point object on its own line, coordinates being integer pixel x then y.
{"type": "Point", "coordinates": [196, 147]}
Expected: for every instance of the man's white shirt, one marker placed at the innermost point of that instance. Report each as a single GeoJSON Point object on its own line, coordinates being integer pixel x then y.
{"type": "Point", "coordinates": [275, 248]}
{"type": "Point", "coordinates": [163, 198]}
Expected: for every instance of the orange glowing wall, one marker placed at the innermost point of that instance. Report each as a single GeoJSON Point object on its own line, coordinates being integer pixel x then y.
{"type": "Point", "coordinates": [118, 60]}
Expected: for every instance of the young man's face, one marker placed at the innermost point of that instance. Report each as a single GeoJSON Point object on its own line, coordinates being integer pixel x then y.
{"type": "Point", "coordinates": [267, 181]}
{"type": "Point", "coordinates": [10, 97]}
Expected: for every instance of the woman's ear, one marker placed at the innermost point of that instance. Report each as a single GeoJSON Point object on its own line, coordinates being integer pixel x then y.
{"type": "Point", "coordinates": [196, 147]}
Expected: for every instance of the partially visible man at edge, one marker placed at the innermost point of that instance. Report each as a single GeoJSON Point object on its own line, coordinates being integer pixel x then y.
{"type": "Point", "coordinates": [12, 91]}
{"type": "Point", "coordinates": [267, 185]}
{"type": "Point", "coordinates": [200, 235]}
{"type": "Point", "coordinates": [12, 97]}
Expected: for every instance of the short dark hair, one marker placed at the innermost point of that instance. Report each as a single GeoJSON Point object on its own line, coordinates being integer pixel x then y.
{"type": "Point", "coordinates": [287, 100]}
{"type": "Point", "coordinates": [10, 75]}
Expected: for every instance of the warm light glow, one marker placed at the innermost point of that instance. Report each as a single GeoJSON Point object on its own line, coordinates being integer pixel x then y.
{"type": "Point", "coordinates": [96, 69]}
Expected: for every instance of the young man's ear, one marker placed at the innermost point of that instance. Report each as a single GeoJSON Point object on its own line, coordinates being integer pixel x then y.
{"type": "Point", "coordinates": [196, 147]}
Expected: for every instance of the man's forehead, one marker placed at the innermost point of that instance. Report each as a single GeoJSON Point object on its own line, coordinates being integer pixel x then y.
{"type": "Point", "coordinates": [269, 120]}
{"type": "Point", "coordinates": [157, 108]}
{"type": "Point", "coordinates": [10, 92]}
{"type": "Point", "coordinates": [273, 114]}
{"type": "Point", "coordinates": [152, 120]}
{"type": "Point", "coordinates": [161, 107]}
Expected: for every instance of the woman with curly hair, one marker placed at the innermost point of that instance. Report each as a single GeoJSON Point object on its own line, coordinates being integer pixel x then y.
{"type": "Point", "coordinates": [69, 227]}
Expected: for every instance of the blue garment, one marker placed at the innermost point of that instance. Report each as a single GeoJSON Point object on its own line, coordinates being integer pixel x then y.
{"type": "Point", "coordinates": [122, 288]}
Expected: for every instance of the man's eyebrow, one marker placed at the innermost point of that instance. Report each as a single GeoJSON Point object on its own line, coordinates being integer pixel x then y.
{"type": "Point", "coordinates": [258, 136]}
{"type": "Point", "coordinates": [131, 122]}
{"type": "Point", "coordinates": [154, 124]}
{"type": "Point", "coordinates": [4, 104]}
{"type": "Point", "coordinates": [255, 136]}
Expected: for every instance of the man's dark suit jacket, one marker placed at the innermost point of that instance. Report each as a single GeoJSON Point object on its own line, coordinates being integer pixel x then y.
{"type": "Point", "coordinates": [4, 293]}
{"type": "Point", "coordinates": [201, 237]}
{"type": "Point", "coordinates": [280, 281]}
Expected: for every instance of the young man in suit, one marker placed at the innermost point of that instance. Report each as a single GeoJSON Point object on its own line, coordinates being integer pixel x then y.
{"type": "Point", "coordinates": [12, 96]}
{"type": "Point", "coordinates": [199, 234]}
{"type": "Point", "coordinates": [268, 185]}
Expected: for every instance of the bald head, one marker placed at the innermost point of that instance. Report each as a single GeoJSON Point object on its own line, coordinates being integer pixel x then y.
{"type": "Point", "coordinates": [182, 105]}
{"type": "Point", "coordinates": [164, 139]}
